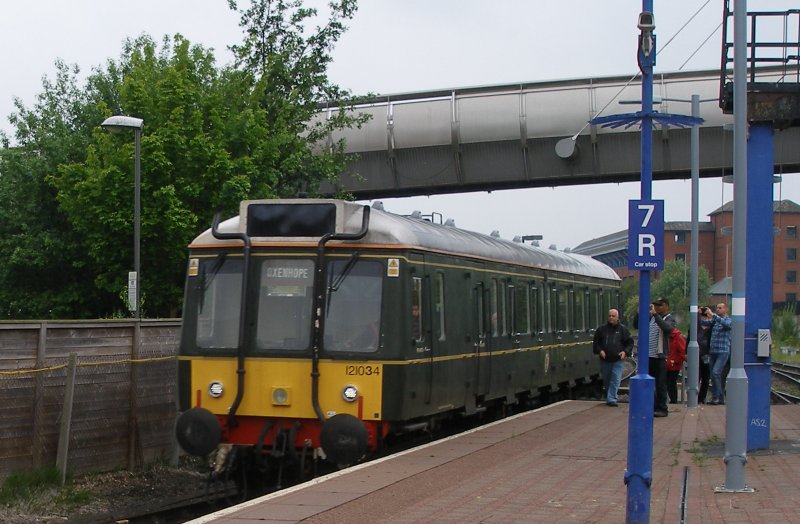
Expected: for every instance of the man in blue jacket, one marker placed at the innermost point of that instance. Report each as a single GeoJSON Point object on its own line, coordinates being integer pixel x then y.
{"type": "Point", "coordinates": [612, 342]}
{"type": "Point", "coordinates": [719, 347]}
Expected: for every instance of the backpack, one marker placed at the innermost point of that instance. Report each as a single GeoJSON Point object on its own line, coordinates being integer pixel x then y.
{"type": "Point", "coordinates": [677, 351]}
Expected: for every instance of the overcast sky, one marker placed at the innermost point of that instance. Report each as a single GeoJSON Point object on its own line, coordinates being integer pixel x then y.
{"type": "Point", "coordinates": [397, 46]}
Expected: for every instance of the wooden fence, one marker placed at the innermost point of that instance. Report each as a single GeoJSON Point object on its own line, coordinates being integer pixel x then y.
{"type": "Point", "coordinates": [124, 402]}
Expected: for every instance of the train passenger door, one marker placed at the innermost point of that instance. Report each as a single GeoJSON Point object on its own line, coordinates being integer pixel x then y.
{"type": "Point", "coordinates": [421, 325]}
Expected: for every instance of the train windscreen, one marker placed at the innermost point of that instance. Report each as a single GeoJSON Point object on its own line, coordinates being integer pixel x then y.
{"type": "Point", "coordinates": [220, 282]}
{"type": "Point", "coordinates": [284, 304]}
{"type": "Point", "coordinates": [353, 311]}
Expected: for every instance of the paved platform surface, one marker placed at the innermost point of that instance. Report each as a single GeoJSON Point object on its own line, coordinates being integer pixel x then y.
{"type": "Point", "coordinates": [562, 463]}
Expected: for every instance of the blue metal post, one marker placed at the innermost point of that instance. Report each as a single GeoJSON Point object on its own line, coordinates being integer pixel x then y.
{"type": "Point", "coordinates": [758, 288]}
{"type": "Point", "coordinates": [638, 474]}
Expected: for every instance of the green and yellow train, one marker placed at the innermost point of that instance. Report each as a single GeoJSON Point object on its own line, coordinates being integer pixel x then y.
{"type": "Point", "coordinates": [316, 329]}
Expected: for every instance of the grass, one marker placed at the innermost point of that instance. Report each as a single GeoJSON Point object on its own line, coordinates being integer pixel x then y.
{"type": "Point", "coordinates": [698, 449]}
{"type": "Point", "coordinates": [20, 490]}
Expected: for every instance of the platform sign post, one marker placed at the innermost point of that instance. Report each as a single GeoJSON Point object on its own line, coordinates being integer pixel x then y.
{"type": "Point", "coordinates": [646, 254]}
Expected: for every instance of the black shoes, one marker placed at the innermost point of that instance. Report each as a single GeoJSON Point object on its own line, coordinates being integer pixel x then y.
{"type": "Point", "coordinates": [659, 413]}
{"type": "Point", "coordinates": [612, 404]}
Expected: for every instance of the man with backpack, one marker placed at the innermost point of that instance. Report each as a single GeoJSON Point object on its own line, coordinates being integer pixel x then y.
{"type": "Point", "coordinates": [662, 323]}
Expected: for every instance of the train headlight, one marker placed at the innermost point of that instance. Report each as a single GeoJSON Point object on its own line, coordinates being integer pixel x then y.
{"type": "Point", "coordinates": [281, 397]}
{"type": "Point", "coordinates": [215, 389]}
{"type": "Point", "coordinates": [350, 393]}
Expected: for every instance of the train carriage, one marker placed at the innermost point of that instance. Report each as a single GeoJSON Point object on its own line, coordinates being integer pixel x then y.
{"type": "Point", "coordinates": [318, 328]}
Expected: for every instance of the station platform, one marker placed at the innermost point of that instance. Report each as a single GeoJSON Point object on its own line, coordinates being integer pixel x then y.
{"type": "Point", "coordinates": [561, 463]}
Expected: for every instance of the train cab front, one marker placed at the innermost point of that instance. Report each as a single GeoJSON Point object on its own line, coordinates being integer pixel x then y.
{"type": "Point", "coordinates": [256, 371]}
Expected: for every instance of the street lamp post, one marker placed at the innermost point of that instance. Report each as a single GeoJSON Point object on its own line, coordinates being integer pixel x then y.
{"type": "Point", "coordinates": [117, 123]}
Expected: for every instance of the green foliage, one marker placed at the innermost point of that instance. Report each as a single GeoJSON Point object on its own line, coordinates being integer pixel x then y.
{"type": "Point", "coordinates": [212, 136]}
{"type": "Point", "coordinates": [673, 283]}
{"type": "Point", "coordinates": [40, 490]}
{"type": "Point", "coordinates": [629, 297]}
{"type": "Point", "coordinates": [785, 331]}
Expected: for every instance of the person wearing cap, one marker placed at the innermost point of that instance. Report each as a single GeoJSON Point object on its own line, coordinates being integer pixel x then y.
{"type": "Point", "coordinates": [612, 343]}
{"type": "Point", "coordinates": [661, 325]}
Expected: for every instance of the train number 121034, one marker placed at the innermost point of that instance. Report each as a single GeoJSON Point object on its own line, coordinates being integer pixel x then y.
{"type": "Point", "coordinates": [361, 370]}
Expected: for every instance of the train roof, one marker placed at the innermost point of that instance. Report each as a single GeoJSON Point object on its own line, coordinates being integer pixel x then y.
{"type": "Point", "coordinates": [389, 229]}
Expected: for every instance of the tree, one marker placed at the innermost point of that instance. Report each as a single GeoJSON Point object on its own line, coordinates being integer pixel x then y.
{"type": "Point", "coordinates": [212, 137]}
{"type": "Point", "coordinates": [284, 72]}
{"type": "Point", "coordinates": [43, 274]}
{"type": "Point", "coordinates": [674, 284]}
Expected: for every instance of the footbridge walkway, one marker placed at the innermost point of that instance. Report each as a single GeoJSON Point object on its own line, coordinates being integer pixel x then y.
{"type": "Point", "coordinates": [536, 135]}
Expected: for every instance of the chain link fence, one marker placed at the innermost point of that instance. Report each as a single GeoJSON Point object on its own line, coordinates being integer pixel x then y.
{"type": "Point", "coordinates": [123, 402]}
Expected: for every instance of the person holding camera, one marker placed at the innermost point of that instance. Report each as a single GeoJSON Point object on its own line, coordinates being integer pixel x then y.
{"type": "Point", "coordinates": [719, 348]}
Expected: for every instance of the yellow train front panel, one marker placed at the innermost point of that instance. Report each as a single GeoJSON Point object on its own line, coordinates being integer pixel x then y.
{"type": "Point", "coordinates": [275, 387]}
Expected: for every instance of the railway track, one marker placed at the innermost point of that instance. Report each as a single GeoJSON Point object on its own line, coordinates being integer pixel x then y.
{"type": "Point", "coordinates": [786, 383]}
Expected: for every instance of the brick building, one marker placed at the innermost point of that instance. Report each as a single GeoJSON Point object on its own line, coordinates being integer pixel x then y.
{"type": "Point", "coordinates": [715, 249]}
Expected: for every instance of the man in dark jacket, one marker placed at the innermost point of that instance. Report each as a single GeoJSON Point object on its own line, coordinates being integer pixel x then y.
{"type": "Point", "coordinates": [661, 325]}
{"type": "Point", "coordinates": [612, 342]}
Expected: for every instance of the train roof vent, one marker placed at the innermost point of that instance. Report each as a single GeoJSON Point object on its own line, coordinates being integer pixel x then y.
{"type": "Point", "coordinates": [535, 243]}
{"type": "Point", "coordinates": [495, 234]}
{"type": "Point", "coordinates": [567, 250]}
{"type": "Point", "coordinates": [518, 239]}
{"type": "Point", "coordinates": [553, 247]}
{"type": "Point", "coordinates": [416, 214]}
{"type": "Point", "coordinates": [378, 205]}
{"type": "Point", "coordinates": [450, 222]}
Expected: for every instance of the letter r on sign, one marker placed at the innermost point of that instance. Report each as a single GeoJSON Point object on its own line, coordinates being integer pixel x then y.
{"type": "Point", "coordinates": [647, 241]}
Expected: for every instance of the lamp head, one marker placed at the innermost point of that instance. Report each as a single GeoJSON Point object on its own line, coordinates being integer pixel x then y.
{"type": "Point", "coordinates": [117, 122]}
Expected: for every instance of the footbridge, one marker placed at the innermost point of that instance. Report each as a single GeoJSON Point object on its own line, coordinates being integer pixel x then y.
{"type": "Point", "coordinates": [537, 134]}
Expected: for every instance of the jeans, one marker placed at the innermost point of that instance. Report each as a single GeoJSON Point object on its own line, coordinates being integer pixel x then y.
{"type": "Point", "coordinates": [717, 363]}
{"type": "Point", "coordinates": [612, 375]}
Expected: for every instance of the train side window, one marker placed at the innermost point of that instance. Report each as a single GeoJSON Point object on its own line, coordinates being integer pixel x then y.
{"type": "Point", "coordinates": [493, 307]}
{"type": "Point", "coordinates": [561, 312]}
{"type": "Point", "coordinates": [416, 308]}
{"type": "Point", "coordinates": [501, 309]}
{"type": "Point", "coordinates": [548, 307]}
{"type": "Point", "coordinates": [536, 309]}
{"type": "Point", "coordinates": [579, 324]}
{"type": "Point", "coordinates": [521, 303]}
{"type": "Point", "coordinates": [439, 306]}
{"type": "Point", "coordinates": [591, 297]}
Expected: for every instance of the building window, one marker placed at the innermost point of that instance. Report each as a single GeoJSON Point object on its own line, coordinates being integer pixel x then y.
{"type": "Point", "coordinates": [791, 277]}
{"type": "Point", "coordinates": [680, 237]}
{"type": "Point", "coordinates": [791, 253]}
{"type": "Point", "coordinates": [680, 256]}
{"type": "Point", "coordinates": [791, 298]}
{"type": "Point", "coordinates": [791, 231]}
